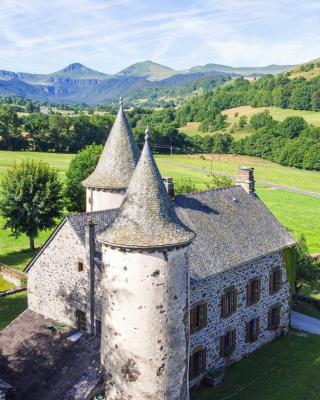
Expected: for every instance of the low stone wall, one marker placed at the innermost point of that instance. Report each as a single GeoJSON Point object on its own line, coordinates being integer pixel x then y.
{"type": "Point", "coordinates": [12, 275]}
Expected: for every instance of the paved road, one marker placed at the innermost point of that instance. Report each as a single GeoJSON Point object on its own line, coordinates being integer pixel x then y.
{"type": "Point", "coordinates": [267, 184]}
{"type": "Point", "coordinates": [305, 323]}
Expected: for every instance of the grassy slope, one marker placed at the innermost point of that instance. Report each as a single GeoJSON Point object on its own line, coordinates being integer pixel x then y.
{"type": "Point", "coordinates": [234, 114]}
{"type": "Point", "coordinates": [4, 285]}
{"type": "Point", "coordinates": [288, 369]}
{"type": "Point", "coordinates": [11, 306]}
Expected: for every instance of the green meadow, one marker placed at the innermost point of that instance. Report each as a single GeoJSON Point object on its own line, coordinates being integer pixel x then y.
{"type": "Point", "coordinates": [298, 213]}
{"type": "Point", "coordinates": [286, 369]}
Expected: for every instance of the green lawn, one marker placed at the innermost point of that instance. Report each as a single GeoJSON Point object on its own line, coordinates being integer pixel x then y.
{"type": "Point", "coordinates": [298, 213]}
{"type": "Point", "coordinates": [11, 306]}
{"type": "Point", "coordinates": [265, 171]}
{"type": "Point", "coordinates": [286, 369]}
{"type": "Point", "coordinates": [4, 285]}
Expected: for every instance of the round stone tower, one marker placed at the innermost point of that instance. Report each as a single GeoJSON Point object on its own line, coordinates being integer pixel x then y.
{"type": "Point", "coordinates": [145, 322]}
{"type": "Point", "coordinates": [106, 186]}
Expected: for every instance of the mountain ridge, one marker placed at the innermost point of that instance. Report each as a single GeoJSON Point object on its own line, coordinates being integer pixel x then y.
{"type": "Point", "coordinates": [79, 83]}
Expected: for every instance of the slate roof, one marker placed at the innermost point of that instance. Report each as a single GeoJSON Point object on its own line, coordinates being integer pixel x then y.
{"type": "Point", "coordinates": [118, 159]}
{"type": "Point", "coordinates": [146, 217]}
{"type": "Point", "coordinates": [231, 229]}
{"type": "Point", "coordinates": [45, 365]}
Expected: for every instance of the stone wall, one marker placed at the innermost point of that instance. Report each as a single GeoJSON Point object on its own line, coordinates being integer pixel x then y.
{"type": "Point", "coordinates": [55, 287]}
{"type": "Point", "coordinates": [144, 345]}
{"type": "Point", "coordinates": [211, 290]}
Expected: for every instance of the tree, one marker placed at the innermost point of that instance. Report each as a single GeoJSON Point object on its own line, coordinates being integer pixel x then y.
{"type": "Point", "coordinates": [307, 272]}
{"type": "Point", "coordinates": [31, 199]}
{"type": "Point", "coordinates": [261, 119]}
{"type": "Point", "coordinates": [80, 168]}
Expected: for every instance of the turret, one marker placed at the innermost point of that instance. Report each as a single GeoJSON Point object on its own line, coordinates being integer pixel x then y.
{"type": "Point", "coordinates": [145, 321]}
{"type": "Point", "coordinates": [106, 186]}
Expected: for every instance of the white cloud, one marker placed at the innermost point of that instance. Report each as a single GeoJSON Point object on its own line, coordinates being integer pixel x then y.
{"type": "Point", "coordinates": [110, 34]}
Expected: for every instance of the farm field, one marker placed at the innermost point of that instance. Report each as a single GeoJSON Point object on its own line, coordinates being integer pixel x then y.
{"type": "Point", "coordinates": [287, 368]}
{"type": "Point", "coordinates": [300, 214]}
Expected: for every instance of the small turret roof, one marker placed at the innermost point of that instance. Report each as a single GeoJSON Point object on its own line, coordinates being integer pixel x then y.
{"type": "Point", "coordinates": [118, 159]}
{"type": "Point", "coordinates": [146, 218]}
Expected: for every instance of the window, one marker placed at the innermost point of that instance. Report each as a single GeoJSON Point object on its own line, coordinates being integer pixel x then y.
{"type": "Point", "coordinates": [81, 320]}
{"type": "Point", "coordinates": [274, 317]}
{"type": "Point", "coordinates": [275, 280]}
{"type": "Point", "coordinates": [228, 302]}
{"type": "Point", "coordinates": [198, 316]}
{"type": "Point", "coordinates": [197, 362]}
{"type": "Point", "coordinates": [98, 328]}
{"type": "Point", "coordinates": [228, 343]}
{"type": "Point", "coordinates": [253, 291]}
{"type": "Point", "coordinates": [80, 266]}
{"type": "Point", "coordinates": [252, 330]}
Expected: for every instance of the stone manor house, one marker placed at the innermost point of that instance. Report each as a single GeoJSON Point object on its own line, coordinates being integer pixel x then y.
{"type": "Point", "coordinates": [163, 288]}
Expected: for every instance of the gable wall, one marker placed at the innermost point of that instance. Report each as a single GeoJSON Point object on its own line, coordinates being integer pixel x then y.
{"type": "Point", "coordinates": [55, 287]}
{"type": "Point", "coordinates": [211, 291]}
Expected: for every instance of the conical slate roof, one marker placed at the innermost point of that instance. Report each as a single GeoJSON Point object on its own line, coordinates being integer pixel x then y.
{"type": "Point", "coordinates": [118, 159]}
{"type": "Point", "coordinates": [146, 218]}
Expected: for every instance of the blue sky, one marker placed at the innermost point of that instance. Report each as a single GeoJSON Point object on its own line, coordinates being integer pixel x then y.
{"type": "Point", "coordinates": [108, 35]}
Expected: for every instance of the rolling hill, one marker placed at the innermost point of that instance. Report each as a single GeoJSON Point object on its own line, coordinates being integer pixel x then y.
{"type": "Point", "coordinates": [143, 81]}
{"type": "Point", "coordinates": [307, 70]}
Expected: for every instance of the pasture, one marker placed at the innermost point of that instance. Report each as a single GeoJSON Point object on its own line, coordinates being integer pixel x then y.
{"type": "Point", "coordinates": [299, 213]}
{"type": "Point", "coordinates": [234, 114]}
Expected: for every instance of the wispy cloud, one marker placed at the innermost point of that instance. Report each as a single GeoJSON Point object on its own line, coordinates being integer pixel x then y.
{"type": "Point", "coordinates": [108, 35]}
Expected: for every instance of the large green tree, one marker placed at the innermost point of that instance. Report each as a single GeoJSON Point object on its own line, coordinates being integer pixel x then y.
{"type": "Point", "coordinates": [31, 199]}
{"type": "Point", "coordinates": [80, 168]}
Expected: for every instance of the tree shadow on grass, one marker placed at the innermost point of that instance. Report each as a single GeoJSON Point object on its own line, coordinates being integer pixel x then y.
{"type": "Point", "coordinates": [17, 259]}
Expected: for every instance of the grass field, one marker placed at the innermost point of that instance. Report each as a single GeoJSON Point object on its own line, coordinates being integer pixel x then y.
{"type": "Point", "coordinates": [234, 114]}
{"type": "Point", "coordinates": [287, 368]}
{"type": "Point", "coordinates": [4, 285]}
{"type": "Point", "coordinates": [300, 214]}
{"type": "Point", "coordinates": [11, 306]}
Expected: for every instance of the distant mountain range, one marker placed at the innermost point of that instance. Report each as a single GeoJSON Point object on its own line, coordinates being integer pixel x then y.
{"type": "Point", "coordinates": [141, 81]}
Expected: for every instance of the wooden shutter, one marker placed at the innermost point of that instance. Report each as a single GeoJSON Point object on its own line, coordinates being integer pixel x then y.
{"type": "Point", "coordinates": [249, 292]}
{"type": "Point", "coordinates": [259, 289]}
{"type": "Point", "coordinates": [248, 339]}
{"type": "Point", "coordinates": [223, 305]}
{"type": "Point", "coordinates": [203, 360]}
{"type": "Point", "coordinates": [271, 283]}
{"type": "Point", "coordinates": [277, 316]}
{"type": "Point", "coordinates": [258, 327]}
{"type": "Point", "coordinates": [222, 345]}
{"type": "Point", "coordinates": [234, 339]}
{"type": "Point", "coordinates": [235, 300]}
{"type": "Point", "coordinates": [191, 367]}
{"type": "Point", "coordinates": [279, 279]}
{"type": "Point", "coordinates": [192, 320]}
{"type": "Point", "coordinates": [204, 315]}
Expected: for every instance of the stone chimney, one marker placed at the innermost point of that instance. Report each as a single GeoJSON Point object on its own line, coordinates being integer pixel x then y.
{"type": "Point", "coordinates": [168, 183]}
{"type": "Point", "coordinates": [245, 179]}
{"type": "Point", "coordinates": [90, 250]}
